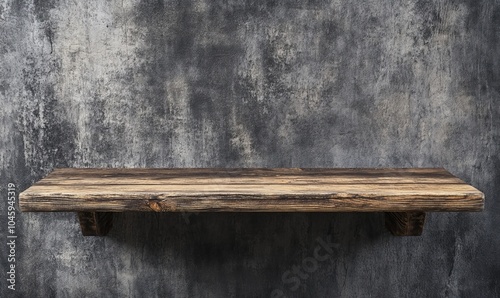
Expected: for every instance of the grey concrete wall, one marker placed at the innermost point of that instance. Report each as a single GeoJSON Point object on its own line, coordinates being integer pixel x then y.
{"type": "Point", "coordinates": [318, 83]}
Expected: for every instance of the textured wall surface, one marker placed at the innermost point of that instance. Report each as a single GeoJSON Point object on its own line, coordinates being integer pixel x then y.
{"type": "Point", "coordinates": [201, 83]}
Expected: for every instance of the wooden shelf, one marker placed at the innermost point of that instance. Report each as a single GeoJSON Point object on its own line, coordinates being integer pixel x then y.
{"type": "Point", "coordinates": [404, 194]}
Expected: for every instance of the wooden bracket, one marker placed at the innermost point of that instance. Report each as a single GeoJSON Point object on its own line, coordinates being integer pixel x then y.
{"type": "Point", "coordinates": [95, 223]}
{"type": "Point", "coordinates": [405, 223]}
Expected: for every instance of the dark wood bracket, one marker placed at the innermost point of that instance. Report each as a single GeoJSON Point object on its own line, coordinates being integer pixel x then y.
{"type": "Point", "coordinates": [95, 223]}
{"type": "Point", "coordinates": [405, 223]}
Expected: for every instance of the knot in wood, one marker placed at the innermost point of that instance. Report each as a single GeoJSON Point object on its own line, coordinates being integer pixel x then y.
{"type": "Point", "coordinates": [154, 205]}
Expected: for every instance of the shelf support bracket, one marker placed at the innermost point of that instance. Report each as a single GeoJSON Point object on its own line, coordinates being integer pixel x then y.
{"type": "Point", "coordinates": [405, 223]}
{"type": "Point", "coordinates": [95, 223]}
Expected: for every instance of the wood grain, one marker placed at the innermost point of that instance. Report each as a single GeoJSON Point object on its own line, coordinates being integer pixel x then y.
{"type": "Point", "coordinates": [95, 223]}
{"type": "Point", "coordinates": [405, 223]}
{"type": "Point", "coordinates": [252, 190]}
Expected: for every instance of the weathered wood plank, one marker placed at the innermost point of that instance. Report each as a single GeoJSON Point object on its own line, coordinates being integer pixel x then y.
{"type": "Point", "coordinates": [251, 190]}
{"type": "Point", "coordinates": [244, 176]}
{"type": "Point", "coordinates": [405, 223]}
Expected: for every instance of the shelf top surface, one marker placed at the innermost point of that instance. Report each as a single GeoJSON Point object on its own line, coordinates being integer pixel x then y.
{"type": "Point", "coordinates": [260, 189]}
